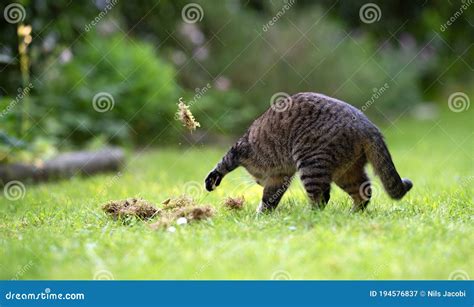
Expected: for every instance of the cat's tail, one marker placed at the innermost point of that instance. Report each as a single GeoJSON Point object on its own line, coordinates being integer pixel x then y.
{"type": "Point", "coordinates": [378, 155]}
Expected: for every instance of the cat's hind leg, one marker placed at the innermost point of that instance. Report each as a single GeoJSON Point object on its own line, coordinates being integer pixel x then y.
{"type": "Point", "coordinates": [354, 181]}
{"type": "Point", "coordinates": [316, 173]}
{"type": "Point", "coordinates": [274, 188]}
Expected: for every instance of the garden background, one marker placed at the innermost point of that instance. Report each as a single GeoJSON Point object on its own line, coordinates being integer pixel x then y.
{"type": "Point", "coordinates": [83, 75]}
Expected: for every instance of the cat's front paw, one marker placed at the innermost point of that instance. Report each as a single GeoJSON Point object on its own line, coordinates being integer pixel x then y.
{"type": "Point", "coordinates": [213, 180]}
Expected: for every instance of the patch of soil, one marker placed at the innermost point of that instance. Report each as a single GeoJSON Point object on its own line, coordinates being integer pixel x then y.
{"type": "Point", "coordinates": [178, 202]}
{"type": "Point", "coordinates": [132, 207]}
{"type": "Point", "coordinates": [162, 223]}
{"type": "Point", "coordinates": [235, 203]}
{"type": "Point", "coordinates": [173, 209]}
{"type": "Point", "coordinates": [182, 206]}
{"type": "Point", "coordinates": [194, 213]}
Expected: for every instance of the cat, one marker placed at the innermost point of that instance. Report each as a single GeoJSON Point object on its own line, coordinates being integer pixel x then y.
{"type": "Point", "coordinates": [323, 139]}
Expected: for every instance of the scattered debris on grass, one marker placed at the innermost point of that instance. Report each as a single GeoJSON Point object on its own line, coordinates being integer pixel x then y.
{"type": "Point", "coordinates": [181, 221]}
{"type": "Point", "coordinates": [132, 207]}
{"type": "Point", "coordinates": [185, 116]}
{"type": "Point", "coordinates": [180, 211]}
{"type": "Point", "coordinates": [162, 223]}
{"type": "Point", "coordinates": [235, 203]}
{"type": "Point", "coordinates": [178, 202]}
{"type": "Point", "coordinates": [195, 213]}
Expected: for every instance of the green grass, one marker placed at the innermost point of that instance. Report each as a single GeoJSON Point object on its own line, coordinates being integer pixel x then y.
{"type": "Point", "coordinates": [58, 231]}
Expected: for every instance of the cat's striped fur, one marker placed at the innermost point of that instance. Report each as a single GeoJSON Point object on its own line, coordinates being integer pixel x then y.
{"type": "Point", "coordinates": [324, 139]}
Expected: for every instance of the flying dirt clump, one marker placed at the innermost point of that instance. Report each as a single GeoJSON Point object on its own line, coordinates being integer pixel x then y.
{"type": "Point", "coordinates": [132, 207]}
{"type": "Point", "coordinates": [234, 203]}
{"type": "Point", "coordinates": [185, 116]}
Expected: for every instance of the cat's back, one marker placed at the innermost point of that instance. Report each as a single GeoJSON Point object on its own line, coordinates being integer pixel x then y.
{"type": "Point", "coordinates": [309, 112]}
{"type": "Point", "coordinates": [317, 105]}
{"type": "Point", "coordinates": [307, 122]}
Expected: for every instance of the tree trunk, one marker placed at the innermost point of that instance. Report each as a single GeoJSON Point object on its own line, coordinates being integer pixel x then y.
{"type": "Point", "coordinates": [65, 165]}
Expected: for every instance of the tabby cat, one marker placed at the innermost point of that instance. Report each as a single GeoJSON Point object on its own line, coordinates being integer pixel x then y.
{"type": "Point", "coordinates": [322, 138]}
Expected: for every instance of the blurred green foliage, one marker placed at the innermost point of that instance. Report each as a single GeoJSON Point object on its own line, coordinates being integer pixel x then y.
{"type": "Point", "coordinates": [141, 85]}
{"type": "Point", "coordinates": [147, 58]}
{"type": "Point", "coordinates": [442, 31]}
{"type": "Point", "coordinates": [325, 59]}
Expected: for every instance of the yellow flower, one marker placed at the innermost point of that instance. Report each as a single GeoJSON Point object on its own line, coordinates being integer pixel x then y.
{"type": "Point", "coordinates": [24, 30]}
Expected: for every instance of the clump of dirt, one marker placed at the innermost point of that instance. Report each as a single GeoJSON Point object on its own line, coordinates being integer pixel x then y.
{"type": "Point", "coordinates": [234, 203]}
{"type": "Point", "coordinates": [194, 213]}
{"type": "Point", "coordinates": [185, 116]}
{"type": "Point", "coordinates": [132, 207]}
{"type": "Point", "coordinates": [178, 202]}
{"type": "Point", "coordinates": [162, 223]}
{"type": "Point", "coordinates": [181, 207]}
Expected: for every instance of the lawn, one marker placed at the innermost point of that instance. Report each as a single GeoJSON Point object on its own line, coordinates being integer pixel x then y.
{"type": "Point", "coordinates": [58, 231]}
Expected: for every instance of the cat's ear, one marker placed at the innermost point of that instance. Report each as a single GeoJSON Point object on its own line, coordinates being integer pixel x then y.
{"type": "Point", "coordinates": [213, 180]}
